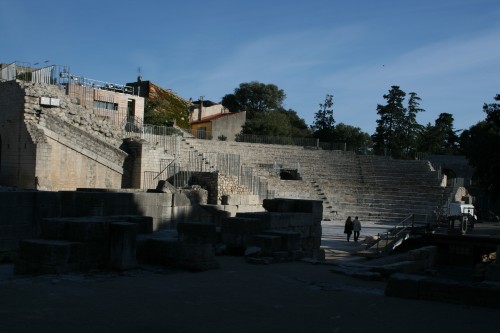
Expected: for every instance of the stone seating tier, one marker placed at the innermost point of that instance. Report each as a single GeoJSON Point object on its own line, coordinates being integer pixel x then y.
{"type": "Point", "coordinates": [375, 187]}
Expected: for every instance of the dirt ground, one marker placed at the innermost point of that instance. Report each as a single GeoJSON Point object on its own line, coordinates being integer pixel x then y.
{"type": "Point", "coordinates": [238, 297]}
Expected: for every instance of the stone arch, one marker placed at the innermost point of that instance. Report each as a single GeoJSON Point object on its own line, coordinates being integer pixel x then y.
{"type": "Point", "coordinates": [450, 173]}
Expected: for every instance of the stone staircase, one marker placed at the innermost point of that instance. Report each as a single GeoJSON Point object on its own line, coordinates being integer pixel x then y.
{"type": "Point", "coordinates": [377, 189]}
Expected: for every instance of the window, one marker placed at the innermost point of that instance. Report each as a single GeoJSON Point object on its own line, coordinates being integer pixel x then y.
{"type": "Point", "coordinates": [105, 105]}
{"type": "Point", "coordinates": [201, 133]}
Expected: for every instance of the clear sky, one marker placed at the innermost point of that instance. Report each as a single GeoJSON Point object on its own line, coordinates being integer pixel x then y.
{"type": "Point", "coordinates": [446, 51]}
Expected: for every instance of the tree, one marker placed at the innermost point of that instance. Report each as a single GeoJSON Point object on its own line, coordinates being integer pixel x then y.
{"type": "Point", "coordinates": [254, 98]}
{"type": "Point", "coordinates": [268, 123]}
{"type": "Point", "coordinates": [493, 112]}
{"type": "Point", "coordinates": [355, 139]}
{"type": "Point", "coordinates": [265, 113]}
{"type": "Point", "coordinates": [446, 134]}
{"type": "Point", "coordinates": [480, 145]}
{"type": "Point", "coordinates": [429, 140]}
{"type": "Point", "coordinates": [390, 130]}
{"type": "Point", "coordinates": [411, 126]}
{"type": "Point", "coordinates": [324, 123]}
{"type": "Point", "coordinates": [299, 128]}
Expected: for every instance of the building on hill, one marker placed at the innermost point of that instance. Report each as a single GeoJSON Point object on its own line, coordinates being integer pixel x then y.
{"type": "Point", "coordinates": [174, 107]}
{"type": "Point", "coordinates": [209, 120]}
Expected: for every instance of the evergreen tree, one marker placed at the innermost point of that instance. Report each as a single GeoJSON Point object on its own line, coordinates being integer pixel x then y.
{"type": "Point", "coordinates": [412, 127]}
{"type": "Point", "coordinates": [324, 123]}
{"type": "Point", "coordinates": [390, 131]}
{"type": "Point", "coordinates": [447, 136]}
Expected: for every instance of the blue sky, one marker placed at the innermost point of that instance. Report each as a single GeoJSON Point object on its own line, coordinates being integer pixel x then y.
{"type": "Point", "coordinates": [446, 51]}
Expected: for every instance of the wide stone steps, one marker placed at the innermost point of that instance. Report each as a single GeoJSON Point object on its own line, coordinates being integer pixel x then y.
{"type": "Point", "coordinates": [375, 187]}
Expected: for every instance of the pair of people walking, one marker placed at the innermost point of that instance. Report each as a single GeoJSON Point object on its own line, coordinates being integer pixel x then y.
{"type": "Point", "coordinates": [352, 226]}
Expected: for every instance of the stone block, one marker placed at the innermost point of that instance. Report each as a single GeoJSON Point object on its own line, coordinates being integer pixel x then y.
{"type": "Point", "coordinates": [161, 248]}
{"type": "Point", "coordinates": [53, 229]}
{"type": "Point", "coordinates": [290, 240]}
{"type": "Point", "coordinates": [39, 256]}
{"type": "Point", "coordinates": [268, 243]}
{"type": "Point", "coordinates": [16, 207]}
{"type": "Point", "coordinates": [196, 232]}
{"type": "Point", "coordinates": [249, 208]}
{"type": "Point", "coordinates": [144, 223]}
{"type": "Point", "coordinates": [403, 285]}
{"type": "Point", "coordinates": [314, 207]}
{"type": "Point", "coordinates": [87, 229]}
{"type": "Point", "coordinates": [240, 199]}
{"type": "Point", "coordinates": [180, 199]}
{"type": "Point", "coordinates": [242, 225]}
{"type": "Point", "coordinates": [95, 255]}
{"type": "Point", "coordinates": [123, 245]}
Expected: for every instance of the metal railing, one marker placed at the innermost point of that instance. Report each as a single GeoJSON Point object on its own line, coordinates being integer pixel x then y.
{"type": "Point", "coordinates": [278, 140]}
{"type": "Point", "coordinates": [49, 74]}
{"type": "Point", "coordinates": [392, 238]}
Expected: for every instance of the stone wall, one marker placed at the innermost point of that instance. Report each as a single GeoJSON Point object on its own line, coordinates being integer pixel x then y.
{"type": "Point", "coordinates": [51, 143]}
{"type": "Point", "coordinates": [146, 161]}
{"type": "Point", "coordinates": [17, 150]}
{"type": "Point", "coordinates": [22, 211]}
{"type": "Point", "coordinates": [288, 229]}
{"type": "Point", "coordinates": [217, 185]}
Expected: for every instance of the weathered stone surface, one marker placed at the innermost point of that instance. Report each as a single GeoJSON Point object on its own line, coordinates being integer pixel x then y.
{"type": "Point", "coordinates": [290, 240]}
{"type": "Point", "coordinates": [443, 290]}
{"type": "Point", "coordinates": [197, 251]}
{"type": "Point", "coordinates": [39, 256]}
{"type": "Point", "coordinates": [268, 243]}
{"type": "Point", "coordinates": [160, 248]}
{"type": "Point", "coordinates": [314, 207]}
{"type": "Point", "coordinates": [123, 245]}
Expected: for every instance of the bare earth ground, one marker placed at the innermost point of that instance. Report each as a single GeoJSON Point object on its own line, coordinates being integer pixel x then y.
{"type": "Point", "coordinates": [238, 297]}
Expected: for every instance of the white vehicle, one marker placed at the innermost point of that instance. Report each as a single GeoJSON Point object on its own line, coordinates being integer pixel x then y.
{"type": "Point", "coordinates": [461, 214]}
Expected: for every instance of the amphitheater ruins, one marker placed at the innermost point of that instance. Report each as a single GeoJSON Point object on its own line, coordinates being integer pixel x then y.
{"type": "Point", "coordinates": [73, 151]}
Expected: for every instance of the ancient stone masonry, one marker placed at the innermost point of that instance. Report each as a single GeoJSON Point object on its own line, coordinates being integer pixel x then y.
{"type": "Point", "coordinates": [50, 142]}
{"type": "Point", "coordinates": [289, 229]}
{"type": "Point", "coordinates": [68, 111]}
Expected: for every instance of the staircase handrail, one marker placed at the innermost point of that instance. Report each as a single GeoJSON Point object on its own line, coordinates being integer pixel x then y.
{"type": "Point", "coordinates": [397, 232]}
{"type": "Point", "coordinates": [165, 168]}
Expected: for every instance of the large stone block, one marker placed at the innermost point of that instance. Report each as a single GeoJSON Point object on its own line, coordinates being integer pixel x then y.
{"type": "Point", "coordinates": [268, 243]}
{"type": "Point", "coordinates": [290, 240]}
{"type": "Point", "coordinates": [40, 256]}
{"type": "Point", "coordinates": [160, 248]}
{"type": "Point", "coordinates": [87, 229]}
{"type": "Point", "coordinates": [240, 199]}
{"type": "Point", "coordinates": [314, 207]}
{"type": "Point", "coordinates": [17, 207]}
{"type": "Point", "coordinates": [196, 232]}
{"type": "Point", "coordinates": [123, 245]}
{"type": "Point", "coordinates": [180, 199]}
{"type": "Point", "coordinates": [144, 223]}
{"type": "Point", "coordinates": [53, 228]}
{"type": "Point", "coordinates": [243, 225]}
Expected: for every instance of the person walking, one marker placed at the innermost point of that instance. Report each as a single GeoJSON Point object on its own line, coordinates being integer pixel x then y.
{"type": "Point", "coordinates": [348, 228]}
{"type": "Point", "coordinates": [356, 227]}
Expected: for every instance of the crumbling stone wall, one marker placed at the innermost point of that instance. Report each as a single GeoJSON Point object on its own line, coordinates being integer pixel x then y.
{"type": "Point", "coordinates": [22, 211]}
{"type": "Point", "coordinates": [217, 185]}
{"type": "Point", "coordinates": [57, 144]}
